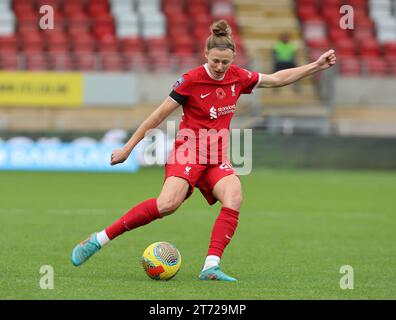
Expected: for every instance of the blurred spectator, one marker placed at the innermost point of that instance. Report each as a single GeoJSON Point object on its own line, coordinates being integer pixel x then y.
{"type": "Point", "coordinates": [284, 54]}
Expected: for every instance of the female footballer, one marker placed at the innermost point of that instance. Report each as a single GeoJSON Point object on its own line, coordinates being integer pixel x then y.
{"type": "Point", "coordinates": [208, 95]}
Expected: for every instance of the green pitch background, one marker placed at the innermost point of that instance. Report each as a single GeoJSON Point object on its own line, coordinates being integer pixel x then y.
{"type": "Point", "coordinates": [296, 230]}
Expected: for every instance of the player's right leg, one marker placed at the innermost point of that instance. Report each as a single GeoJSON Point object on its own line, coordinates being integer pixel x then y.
{"type": "Point", "coordinates": [171, 197]}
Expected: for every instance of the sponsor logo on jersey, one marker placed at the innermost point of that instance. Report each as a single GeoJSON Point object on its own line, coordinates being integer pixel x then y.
{"type": "Point", "coordinates": [213, 113]}
{"type": "Point", "coordinates": [222, 111]}
{"type": "Point", "coordinates": [233, 90]}
{"type": "Point", "coordinates": [205, 95]}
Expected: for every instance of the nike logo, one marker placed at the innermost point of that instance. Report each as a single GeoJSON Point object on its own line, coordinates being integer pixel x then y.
{"type": "Point", "coordinates": [205, 95]}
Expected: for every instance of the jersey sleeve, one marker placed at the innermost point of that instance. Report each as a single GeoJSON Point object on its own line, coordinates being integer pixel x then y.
{"type": "Point", "coordinates": [181, 89]}
{"type": "Point", "coordinates": [249, 80]}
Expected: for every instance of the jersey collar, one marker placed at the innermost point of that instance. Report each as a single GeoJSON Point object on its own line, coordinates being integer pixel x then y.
{"type": "Point", "coordinates": [210, 75]}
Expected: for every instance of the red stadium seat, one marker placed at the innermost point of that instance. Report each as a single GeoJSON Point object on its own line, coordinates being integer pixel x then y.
{"type": "Point", "coordinates": [101, 32]}
{"type": "Point", "coordinates": [108, 45]}
{"type": "Point", "coordinates": [364, 22]}
{"type": "Point", "coordinates": [369, 49]}
{"type": "Point", "coordinates": [350, 67]}
{"type": "Point", "coordinates": [319, 44]}
{"type": "Point", "coordinates": [97, 8]}
{"type": "Point", "coordinates": [132, 45]}
{"type": "Point", "coordinates": [307, 3]}
{"type": "Point", "coordinates": [79, 18]}
{"type": "Point", "coordinates": [84, 43]}
{"type": "Point", "coordinates": [9, 48]}
{"type": "Point", "coordinates": [161, 62]}
{"type": "Point", "coordinates": [357, 3]}
{"type": "Point", "coordinates": [389, 48]}
{"type": "Point", "coordinates": [137, 62]}
{"type": "Point", "coordinates": [375, 66]}
{"type": "Point", "coordinates": [337, 34]}
{"type": "Point", "coordinates": [362, 34]}
{"type": "Point", "coordinates": [85, 62]}
{"type": "Point", "coordinates": [73, 8]}
{"type": "Point", "coordinates": [9, 61]}
{"type": "Point", "coordinates": [392, 67]}
{"type": "Point", "coordinates": [53, 3]}
{"type": "Point", "coordinates": [345, 47]}
{"type": "Point", "coordinates": [103, 20]}
{"type": "Point", "coordinates": [61, 61]}
{"type": "Point", "coordinates": [75, 30]}
{"type": "Point", "coordinates": [112, 62]}
{"type": "Point", "coordinates": [307, 12]}
{"type": "Point", "coordinates": [6, 40]}
{"type": "Point", "coordinates": [36, 61]}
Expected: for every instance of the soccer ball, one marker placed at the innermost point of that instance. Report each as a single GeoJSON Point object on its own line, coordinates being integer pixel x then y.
{"type": "Point", "coordinates": [161, 260]}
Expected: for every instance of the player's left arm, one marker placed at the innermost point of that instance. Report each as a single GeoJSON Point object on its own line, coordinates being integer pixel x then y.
{"type": "Point", "coordinates": [288, 76]}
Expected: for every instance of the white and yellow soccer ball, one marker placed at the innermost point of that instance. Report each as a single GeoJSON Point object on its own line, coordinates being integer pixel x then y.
{"type": "Point", "coordinates": [161, 260]}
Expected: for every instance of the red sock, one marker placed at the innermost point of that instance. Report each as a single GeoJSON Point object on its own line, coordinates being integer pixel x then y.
{"type": "Point", "coordinates": [223, 230]}
{"type": "Point", "coordinates": [138, 216]}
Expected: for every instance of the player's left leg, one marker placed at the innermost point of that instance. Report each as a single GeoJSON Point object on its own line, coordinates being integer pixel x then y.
{"type": "Point", "coordinates": [228, 191]}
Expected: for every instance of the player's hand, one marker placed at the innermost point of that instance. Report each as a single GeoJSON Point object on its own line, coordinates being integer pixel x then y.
{"type": "Point", "coordinates": [118, 156]}
{"type": "Point", "coordinates": [327, 60]}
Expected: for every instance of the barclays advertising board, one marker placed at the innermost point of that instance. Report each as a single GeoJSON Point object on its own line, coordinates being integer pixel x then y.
{"type": "Point", "coordinates": [63, 156]}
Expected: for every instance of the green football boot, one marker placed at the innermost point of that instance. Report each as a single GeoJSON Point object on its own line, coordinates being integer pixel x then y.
{"type": "Point", "coordinates": [84, 250]}
{"type": "Point", "coordinates": [214, 273]}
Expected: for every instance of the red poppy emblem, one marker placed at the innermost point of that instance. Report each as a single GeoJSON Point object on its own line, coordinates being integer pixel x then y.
{"type": "Point", "coordinates": [220, 93]}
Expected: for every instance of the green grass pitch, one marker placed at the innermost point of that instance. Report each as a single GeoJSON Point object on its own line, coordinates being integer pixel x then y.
{"type": "Point", "coordinates": [296, 230]}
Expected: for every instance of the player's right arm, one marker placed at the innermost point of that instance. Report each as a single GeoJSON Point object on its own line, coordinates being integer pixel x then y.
{"type": "Point", "coordinates": [153, 120]}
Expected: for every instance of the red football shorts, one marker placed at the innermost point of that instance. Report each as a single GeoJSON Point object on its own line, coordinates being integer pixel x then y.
{"type": "Point", "coordinates": [204, 177]}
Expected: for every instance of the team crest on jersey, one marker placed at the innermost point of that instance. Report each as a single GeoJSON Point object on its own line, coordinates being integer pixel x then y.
{"type": "Point", "coordinates": [233, 90]}
{"type": "Point", "coordinates": [187, 171]}
{"type": "Point", "coordinates": [220, 93]}
{"type": "Point", "coordinates": [178, 82]}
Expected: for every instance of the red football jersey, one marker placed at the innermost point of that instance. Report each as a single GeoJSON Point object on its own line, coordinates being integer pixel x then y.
{"type": "Point", "coordinates": [209, 103]}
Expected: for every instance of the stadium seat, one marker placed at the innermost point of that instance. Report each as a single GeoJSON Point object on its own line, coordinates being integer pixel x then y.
{"type": "Point", "coordinates": [392, 67]}
{"type": "Point", "coordinates": [349, 67]}
{"type": "Point", "coordinates": [132, 45]}
{"type": "Point", "coordinates": [369, 49]}
{"type": "Point", "coordinates": [127, 25]}
{"type": "Point", "coordinates": [314, 29]}
{"type": "Point", "coordinates": [73, 8]}
{"type": "Point", "coordinates": [36, 61]}
{"type": "Point", "coordinates": [85, 62]}
{"type": "Point", "coordinates": [137, 62]}
{"type": "Point", "coordinates": [375, 66]}
{"type": "Point", "coordinates": [307, 12]}
{"type": "Point", "coordinates": [336, 35]}
{"type": "Point", "coordinates": [389, 48]}
{"type": "Point", "coordinates": [61, 61]}
{"type": "Point", "coordinates": [9, 61]}
{"type": "Point", "coordinates": [112, 62]}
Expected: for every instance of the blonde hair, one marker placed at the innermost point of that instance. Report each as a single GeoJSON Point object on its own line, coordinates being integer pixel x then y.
{"type": "Point", "coordinates": [220, 36]}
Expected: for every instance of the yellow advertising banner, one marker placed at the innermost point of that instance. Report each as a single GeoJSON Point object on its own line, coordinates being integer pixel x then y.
{"type": "Point", "coordinates": [41, 89]}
